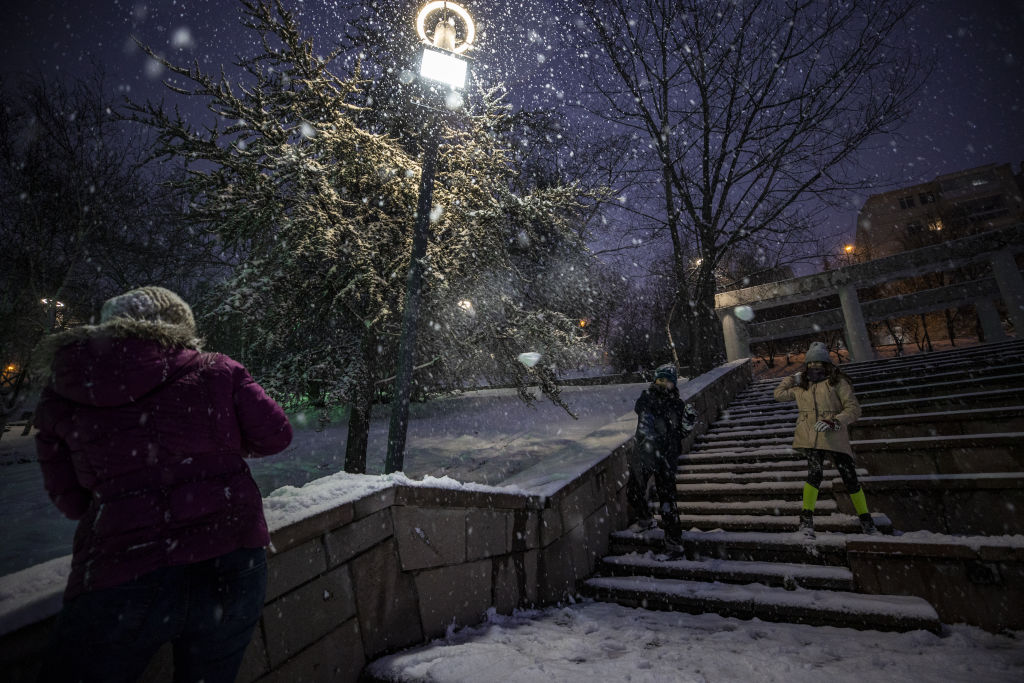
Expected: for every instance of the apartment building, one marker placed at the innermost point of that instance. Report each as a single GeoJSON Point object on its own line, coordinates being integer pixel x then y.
{"type": "Point", "coordinates": [950, 206]}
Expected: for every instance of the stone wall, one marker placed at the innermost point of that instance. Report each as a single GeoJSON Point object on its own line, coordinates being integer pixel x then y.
{"type": "Point", "coordinates": [402, 565]}
{"type": "Point", "coordinates": [971, 580]}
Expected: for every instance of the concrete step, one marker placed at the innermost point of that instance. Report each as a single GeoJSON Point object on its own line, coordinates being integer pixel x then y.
{"type": "Point", "coordinates": [948, 423]}
{"type": "Point", "coordinates": [798, 473]}
{"type": "Point", "coordinates": [823, 523]}
{"type": "Point", "coordinates": [761, 490]}
{"type": "Point", "coordinates": [753, 455]}
{"type": "Point", "coordinates": [923, 387]}
{"type": "Point", "coordinates": [738, 416]}
{"type": "Point", "coordinates": [965, 399]}
{"type": "Point", "coordinates": [751, 507]}
{"type": "Point", "coordinates": [779, 467]}
{"type": "Point", "coordinates": [728, 571]}
{"type": "Point", "coordinates": [825, 549]}
{"type": "Point", "coordinates": [774, 429]}
{"type": "Point", "coordinates": [969, 373]}
{"type": "Point", "coordinates": [905, 425]}
{"type": "Point", "coordinates": [769, 603]}
{"type": "Point", "coordinates": [963, 454]}
{"type": "Point", "coordinates": [991, 355]}
{"type": "Point", "coordinates": [917, 455]}
{"type": "Point", "coordinates": [740, 445]}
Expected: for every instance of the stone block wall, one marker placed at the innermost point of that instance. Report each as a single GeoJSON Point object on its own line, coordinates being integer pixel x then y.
{"type": "Point", "coordinates": [400, 567]}
{"type": "Point", "coordinates": [969, 580]}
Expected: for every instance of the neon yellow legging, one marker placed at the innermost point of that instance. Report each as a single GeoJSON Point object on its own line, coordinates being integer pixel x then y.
{"type": "Point", "coordinates": [811, 497]}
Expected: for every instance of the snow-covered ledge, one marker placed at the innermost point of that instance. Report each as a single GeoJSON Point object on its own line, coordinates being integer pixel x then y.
{"type": "Point", "coordinates": [364, 565]}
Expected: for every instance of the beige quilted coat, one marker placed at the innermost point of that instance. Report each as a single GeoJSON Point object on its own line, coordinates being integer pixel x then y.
{"type": "Point", "coordinates": [821, 401]}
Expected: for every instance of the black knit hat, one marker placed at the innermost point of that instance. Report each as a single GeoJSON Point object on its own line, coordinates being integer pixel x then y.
{"type": "Point", "coordinates": [666, 371]}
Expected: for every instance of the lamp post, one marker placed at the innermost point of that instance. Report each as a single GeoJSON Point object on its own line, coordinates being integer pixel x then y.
{"type": "Point", "coordinates": [440, 64]}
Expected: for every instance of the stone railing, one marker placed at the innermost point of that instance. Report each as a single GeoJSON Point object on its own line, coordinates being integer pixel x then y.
{"type": "Point", "coordinates": [401, 564]}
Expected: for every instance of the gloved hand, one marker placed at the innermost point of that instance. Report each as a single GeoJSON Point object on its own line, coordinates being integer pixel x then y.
{"type": "Point", "coordinates": [827, 425]}
{"type": "Point", "coordinates": [797, 377]}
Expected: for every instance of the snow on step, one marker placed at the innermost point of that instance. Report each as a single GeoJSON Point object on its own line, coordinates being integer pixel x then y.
{"type": "Point", "coordinates": [712, 446]}
{"type": "Point", "coordinates": [759, 475]}
{"type": "Point", "coordinates": [885, 612]}
{"type": "Point", "coordinates": [766, 522]}
{"type": "Point", "coordinates": [952, 440]}
{"type": "Point", "coordinates": [783, 465]}
{"type": "Point", "coordinates": [753, 488]}
{"type": "Point", "coordinates": [739, 433]}
{"type": "Point", "coordinates": [794, 541]}
{"type": "Point", "coordinates": [733, 571]}
{"type": "Point", "coordinates": [751, 455]}
{"type": "Point", "coordinates": [770, 507]}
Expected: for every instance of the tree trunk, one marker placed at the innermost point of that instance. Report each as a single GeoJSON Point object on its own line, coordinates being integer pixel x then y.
{"type": "Point", "coordinates": [927, 337]}
{"type": "Point", "coordinates": [897, 339]}
{"type": "Point", "coordinates": [707, 345]}
{"type": "Point", "coordinates": [950, 327]}
{"type": "Point", "coordinates": [360, 409]}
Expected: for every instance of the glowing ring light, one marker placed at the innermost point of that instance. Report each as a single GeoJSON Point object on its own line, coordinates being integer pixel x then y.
{"type": "Point", "coordinates": [421, 20]}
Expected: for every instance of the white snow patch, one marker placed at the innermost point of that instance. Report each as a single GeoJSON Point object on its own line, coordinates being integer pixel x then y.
{"type": "Point", "coordinates": [592, 641]}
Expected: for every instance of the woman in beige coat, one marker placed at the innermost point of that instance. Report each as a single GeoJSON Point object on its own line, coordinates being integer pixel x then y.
{"type": "Point", "coordinates": [824, 396]}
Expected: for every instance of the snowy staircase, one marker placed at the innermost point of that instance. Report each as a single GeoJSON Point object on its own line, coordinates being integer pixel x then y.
{"type": "Point", "coordinates": [739, 493]}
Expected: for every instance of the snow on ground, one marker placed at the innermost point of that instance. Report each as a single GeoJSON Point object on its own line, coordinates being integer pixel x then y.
{"type": "Point", "coordinates": [591, 641]}
{"type": "Point", "coordinates": [481, 437]}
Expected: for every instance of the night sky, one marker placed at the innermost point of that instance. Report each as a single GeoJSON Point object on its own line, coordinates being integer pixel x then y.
{"type": "Point", "coordinates": [969, 113]}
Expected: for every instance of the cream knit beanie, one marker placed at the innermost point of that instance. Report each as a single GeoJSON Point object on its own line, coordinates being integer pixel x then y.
{"type": "Point", "coordinates": [151, 304]}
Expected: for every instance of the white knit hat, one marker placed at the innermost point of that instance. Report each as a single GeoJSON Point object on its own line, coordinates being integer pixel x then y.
{"type": "Point", "coordinates": [817, 352]}
{"type": "Point", "coordinates": [151, 304]}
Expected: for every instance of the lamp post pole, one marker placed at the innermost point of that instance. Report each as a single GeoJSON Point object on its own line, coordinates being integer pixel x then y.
{"type": "Point", "coordinates": [440, 63]}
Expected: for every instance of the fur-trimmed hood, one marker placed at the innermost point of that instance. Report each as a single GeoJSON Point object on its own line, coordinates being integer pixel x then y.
{"type": "Point", "coordinates": [115, 362]}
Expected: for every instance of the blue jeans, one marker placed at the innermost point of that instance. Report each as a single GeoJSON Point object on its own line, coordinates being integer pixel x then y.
{"type": "Point", "coordinates": [207, 610]}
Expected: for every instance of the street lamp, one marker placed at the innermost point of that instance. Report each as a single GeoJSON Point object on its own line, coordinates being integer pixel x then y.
{"type": "Point", "coordinates": [52, 305]}
{"type": "Point", "coordinates": [441, 63]}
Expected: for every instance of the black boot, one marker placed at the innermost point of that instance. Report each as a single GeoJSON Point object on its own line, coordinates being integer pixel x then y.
{"type": "Point", "coordinates": [806, 523]}
{"type": "Point", "coordinates": [867, 525]}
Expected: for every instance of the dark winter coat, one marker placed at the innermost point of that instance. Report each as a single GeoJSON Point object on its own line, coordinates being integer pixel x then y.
{"type": "Point", "coordinates": [141, 439]}
{"type": "Point", "coordinates": [663, 420]}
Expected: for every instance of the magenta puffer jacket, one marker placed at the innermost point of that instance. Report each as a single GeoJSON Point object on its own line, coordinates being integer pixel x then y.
{"type": "Point", "coordinates": [143, 443]}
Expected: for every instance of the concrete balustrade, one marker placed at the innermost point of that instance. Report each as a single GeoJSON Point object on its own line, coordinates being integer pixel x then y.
{"type": "Point", "coordinates": [997, 249]}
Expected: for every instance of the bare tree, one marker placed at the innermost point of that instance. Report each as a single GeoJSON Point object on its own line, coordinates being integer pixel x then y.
{"type": "Point", "coordinates": [746, 116]}
{"type": "Point", "coordinates": [82, 213]}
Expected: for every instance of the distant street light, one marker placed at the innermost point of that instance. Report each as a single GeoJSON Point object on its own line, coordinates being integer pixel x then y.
{"type": "Point", "coordinates": [51, 306]}
{"type": "Point", "coordinates": [440, 64]}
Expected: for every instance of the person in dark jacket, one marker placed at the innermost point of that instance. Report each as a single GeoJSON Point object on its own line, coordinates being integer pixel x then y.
{"type": "Point", "coordinates": [663, 420]}
{"type": "Point", "coordinates": [142, 439]}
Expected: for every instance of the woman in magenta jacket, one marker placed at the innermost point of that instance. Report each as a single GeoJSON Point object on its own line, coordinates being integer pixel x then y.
{"type": "Point", "coordinates": [142, 438]}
